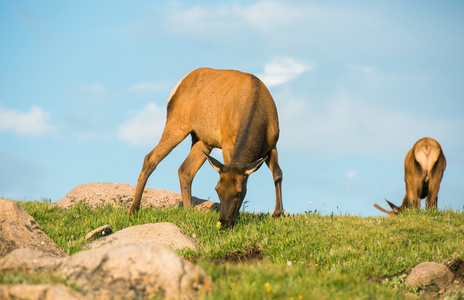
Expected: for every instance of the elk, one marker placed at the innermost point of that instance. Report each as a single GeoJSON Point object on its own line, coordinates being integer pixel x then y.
{"type": "Point", "coordinates": [224, 109]}
{"type": "Point", "coordinates": [423, 170]}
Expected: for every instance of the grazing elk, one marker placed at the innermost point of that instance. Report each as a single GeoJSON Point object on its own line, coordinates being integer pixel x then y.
{"type": "Point", "coordinates": [423, 170]}
{"type": "Point", "coordinates": [224, 109]}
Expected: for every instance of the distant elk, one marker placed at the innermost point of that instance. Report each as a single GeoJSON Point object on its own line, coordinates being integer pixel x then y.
{"type": "Point", "coordinates": [224, 109]}
{"type": "Point", "coordinates": [423, 170]}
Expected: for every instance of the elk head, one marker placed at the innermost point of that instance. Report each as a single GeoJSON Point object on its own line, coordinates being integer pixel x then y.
{"type": "Point", "coordinates": [231, 187]}
{"type": "Point", "coordinates": [395, 209]}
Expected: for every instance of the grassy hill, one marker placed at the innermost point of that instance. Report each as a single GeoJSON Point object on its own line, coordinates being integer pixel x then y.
{"type": "Point", "coordinates": [306, 256]}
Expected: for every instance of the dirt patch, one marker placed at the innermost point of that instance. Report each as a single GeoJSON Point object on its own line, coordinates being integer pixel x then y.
{"type": "Point", "coordinates": [248, 255]}
{"type": "Point", "coordinates": [457, 267]}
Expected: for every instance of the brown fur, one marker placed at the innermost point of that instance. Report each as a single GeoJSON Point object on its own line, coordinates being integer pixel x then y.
{"type": "Point", "coordinates": [223, 109]}
{"type": "Point", "coordinates": [423, 170]}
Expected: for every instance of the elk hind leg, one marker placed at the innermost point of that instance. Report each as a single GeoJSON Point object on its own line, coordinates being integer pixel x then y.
{"type": "Point", "coordinates": [414, 186]}
{"type": "Point", "coordinates": [169, 140]}
{"type": "Point", "coordinates": [434, 186]}
{"type": "Point", "coordinates": [277, 175]}
{"type": "Point", "coordinates": [189, 168]}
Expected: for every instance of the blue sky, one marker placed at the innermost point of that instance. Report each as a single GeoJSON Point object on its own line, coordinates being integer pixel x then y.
{"type": "Point", "coordinates": [84, 87]}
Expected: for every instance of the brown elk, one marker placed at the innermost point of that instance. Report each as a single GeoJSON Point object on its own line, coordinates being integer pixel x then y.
{"type": "Point", "coordinates": [224, 109]}
{"type": "Point", "coordinates": [423, 170]}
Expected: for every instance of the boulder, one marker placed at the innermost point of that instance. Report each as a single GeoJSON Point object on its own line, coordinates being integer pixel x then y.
{"type": "Point", "coordinates": [136, 271]}
{"type": "Point", "coordinates": [164, 233]}
{"type": "Point", "coordinates": [121, 195]}
{"type": "Point", "coordinates": [428, 272]}
{"type": "Point", "coordinates": [19, 230]}
{"type": "Point", "coordinates": [38, 291]}
{"type": "Point", "coordinates": [28, 260]}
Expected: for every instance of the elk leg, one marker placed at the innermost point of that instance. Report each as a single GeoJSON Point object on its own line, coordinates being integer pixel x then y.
{"type": "Point", "coordinates": [169, 140]}
{"type": "Point", "coordinates": [434, 186]}
{"type": "Point", "coordinates": [189, 168]}
{"type": "Point", "coordinates": [277, 176]}
{"type": "Point", "coordinates": [413, 191]}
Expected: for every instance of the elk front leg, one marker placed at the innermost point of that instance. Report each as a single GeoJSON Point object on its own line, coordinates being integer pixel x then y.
{"type": "Point", "coordinates": [189, 168]}
{"type": "Point", "coordinates": [277, 176]}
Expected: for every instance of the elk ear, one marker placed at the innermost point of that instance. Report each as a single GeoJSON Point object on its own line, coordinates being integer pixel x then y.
{"type": "Point", "coordinates": [396, 209]}
{"type": "Point", "coordinates": [214, 163]}
{"type": "Point", "coordinates": [389, 212]}
{"type": "Point", "coordinates": [253, 167]}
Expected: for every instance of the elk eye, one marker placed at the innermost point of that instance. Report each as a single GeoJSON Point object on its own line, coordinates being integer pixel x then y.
{"type": "Point", "coordinates": [239, 194]}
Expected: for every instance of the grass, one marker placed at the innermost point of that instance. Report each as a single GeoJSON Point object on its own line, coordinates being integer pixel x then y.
{"type": "Point", "coordinates": [304, 256]}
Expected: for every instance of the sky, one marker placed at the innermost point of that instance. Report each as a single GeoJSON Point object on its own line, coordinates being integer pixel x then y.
{"type": "Point", "coordinates": [84, 86]}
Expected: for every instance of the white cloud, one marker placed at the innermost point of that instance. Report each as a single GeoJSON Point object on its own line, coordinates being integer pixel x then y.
{"type": "Point", "coordinates": [282, 70]}
{"type": "Point", "coordinates": [144, 127]}
{"type": "Point", "coordinates": [275, 19]}
{"type": "Point", "coordinates": [364, 69]}
{"type": "Point", "coordinates": [34, 122]}
{"type": "Point", "coordinates": [351, 175]}
{"type": "Point", "coordinates": [343, 125]}
{"type": "Point", "coordinates": [93, 92]}
{"type": "Point", "coordinates": [263, 16]}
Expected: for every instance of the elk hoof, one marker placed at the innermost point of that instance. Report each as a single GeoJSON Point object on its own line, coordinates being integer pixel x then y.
{"type": "Point", "coordinates": [131, 211]}
{"type": "Point", "coordinates": [277, 214]}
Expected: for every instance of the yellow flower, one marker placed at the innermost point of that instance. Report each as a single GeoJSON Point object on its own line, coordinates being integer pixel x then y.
{"type": "Point", "coordinates": [300, 296]}
{"type": "Point", "coordinates": [218, 224]}
{"type": "Point", "coordinates": [267, 286]}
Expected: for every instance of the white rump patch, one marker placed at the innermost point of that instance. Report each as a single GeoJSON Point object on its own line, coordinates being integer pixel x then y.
{"type": "Point", "coordinates": [174, 90]}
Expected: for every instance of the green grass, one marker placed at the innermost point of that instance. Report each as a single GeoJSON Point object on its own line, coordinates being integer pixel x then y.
{"type": "Point", "coordinates": [304, 256]}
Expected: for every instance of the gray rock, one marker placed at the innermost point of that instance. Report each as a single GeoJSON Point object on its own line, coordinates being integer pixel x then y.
{"type": "Point", "coordinates": [427, 272]}
{"type": "Point", "coordinates": [137, 271]}
{"type": "Point", "coordinates": [38, 291]}
{"type": "Point", "coordinates": [19, 230]}
{"type": "Point", "coordinates": [121, 195]}
{"type": "Point", "coordinates": [167, 234]}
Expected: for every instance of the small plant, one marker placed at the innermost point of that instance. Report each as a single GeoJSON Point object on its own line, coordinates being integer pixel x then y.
{"type": "Point", "coordinates": [455, 294]}
{"type": "Point", "coordinates": [399, 283]}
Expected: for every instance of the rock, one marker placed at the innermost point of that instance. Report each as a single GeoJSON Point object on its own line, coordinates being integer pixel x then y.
{"type": "Point", "coordinates": [120, 194]}
{"type": "Point", "coordinates": [99, 232]}
{"type": "Point", "coordinates": [38, 291]}
{"type": "Point", "coordinates": [116, 271]}
{"type": "Point", "coordinates": [165, 233]}
{"type": "Point", "coordinates": [136, 271]}
{"type": "Point", "coordinates": [19, 230]}
{"type": "Point", "coordinates": [426, 272]}
{"type": "Point", "coordinates": [28, 260]}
